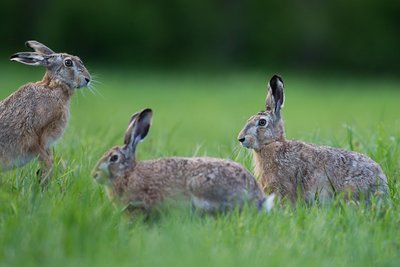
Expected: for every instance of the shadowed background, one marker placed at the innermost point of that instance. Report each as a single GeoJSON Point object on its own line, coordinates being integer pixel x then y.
{"type": "Point", "coordinates": [358, 36]}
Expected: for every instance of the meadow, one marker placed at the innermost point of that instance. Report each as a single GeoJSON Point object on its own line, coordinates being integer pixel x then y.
{"type": "Point", "coordinates": [73, 223]}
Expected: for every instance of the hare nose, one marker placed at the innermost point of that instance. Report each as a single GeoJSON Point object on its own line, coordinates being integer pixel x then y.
{"type": "Point", "coordinates": [241, 140]}
{"type": "Point", "coordinates": [87, 80]}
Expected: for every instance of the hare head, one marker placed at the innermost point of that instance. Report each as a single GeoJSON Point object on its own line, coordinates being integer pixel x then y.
{"type": "Point", "coordinates": [266, 126]}
{"type": "Point", "coordinates": [119, 160]}
{"type": "Point", "coordinates": [61, 68]}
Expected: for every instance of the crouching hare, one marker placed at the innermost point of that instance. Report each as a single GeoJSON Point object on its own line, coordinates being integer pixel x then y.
{"type": "Point", "coordinates": [35, 116]}
{"type": "Point", "coordinates": [210, 184]}
{"type": "Point", "coordinates": [294, 169]}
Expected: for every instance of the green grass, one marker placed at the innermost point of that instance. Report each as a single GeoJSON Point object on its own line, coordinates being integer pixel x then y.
{"type": "Point", "coordinates": [74, 223]}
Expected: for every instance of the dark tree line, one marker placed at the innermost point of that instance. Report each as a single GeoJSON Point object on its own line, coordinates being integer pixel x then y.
{"type": "Point", "coordinates": [340, 34]}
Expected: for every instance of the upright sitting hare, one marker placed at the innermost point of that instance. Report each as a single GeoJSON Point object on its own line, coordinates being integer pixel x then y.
{"type": "Point", "coordinates": [290, 167]}
{"type": "Point", "coordinates": [35, 116]}
{"type": "Point", "coordinates": [211, 184]}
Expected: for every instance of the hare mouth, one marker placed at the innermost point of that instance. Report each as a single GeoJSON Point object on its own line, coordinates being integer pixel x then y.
{"type": "Point", "coordinates": [80, 86]}
{"type": "Point", "coordinates": [250, 143]}
{"type": "Point", "coordinates": [84, 83]}
{"type": "Point", "coordinates": [100, 178]}
{"type": "Point", "coordinates": [244, 142]}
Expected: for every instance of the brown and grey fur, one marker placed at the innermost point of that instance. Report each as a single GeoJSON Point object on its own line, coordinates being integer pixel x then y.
{"type": "Point", "coordinates": [295, 169]}
{"type": "Point", "coordinates": [36, 115]}
{"type": "Point", "coordinates": [211, 184]}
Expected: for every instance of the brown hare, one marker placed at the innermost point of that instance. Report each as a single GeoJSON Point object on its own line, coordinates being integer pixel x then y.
{"type": "Point", "coordinates": [294, 169]}
{"type": "Point", "coordinates": [35, 116]}
{"type": "Point", "coordinates": [211, 184]}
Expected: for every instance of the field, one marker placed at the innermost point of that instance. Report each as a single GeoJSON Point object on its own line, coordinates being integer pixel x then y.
{"type": "Point", "coordinates": [74, 223]}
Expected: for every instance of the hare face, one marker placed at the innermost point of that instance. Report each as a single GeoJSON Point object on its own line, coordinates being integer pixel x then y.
{"type": "Point", "coordinates": [266, 127]}
{"type": "Point", "coordinates": [111, 165]}
{"type": "Point", "coordinates": [119, 161]}
{"type": "Point", "coordinates": [61, 67]}
{"type": "Point", "coordinates": [258, 131]}
{"type": "Point", "coordinates": [69, 70]}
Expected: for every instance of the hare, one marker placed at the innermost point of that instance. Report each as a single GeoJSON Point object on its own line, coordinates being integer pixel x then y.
{"type": "Point", "coordinates": [35, 116]}
{"type": "Point", "coordinates": [294, 169]}
{"type": "Point", "coordinates": [211, 184]}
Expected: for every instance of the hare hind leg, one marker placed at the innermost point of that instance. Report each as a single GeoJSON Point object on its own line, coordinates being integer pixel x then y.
{"type": "Point", "coordinates": [205, 205]}
{"type": "Point", "coordinates": [46, 164]}
{"type": "Point", "coordinates": [209, 193]}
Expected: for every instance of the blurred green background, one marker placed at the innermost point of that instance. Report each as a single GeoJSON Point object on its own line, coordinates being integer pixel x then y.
{"type": "Point", "coordinates": [357, 36]}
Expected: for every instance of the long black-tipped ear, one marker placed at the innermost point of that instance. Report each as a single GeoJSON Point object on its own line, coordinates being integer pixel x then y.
{"type": "Point", "coordinates": [275, 96]}
{"type": "Point", "coordinates": [33, 59]}
{"type": "Point", "coordinates": [39, 47]}
{"type": "Point", "coordinates": [143, 125]}
{"type": "Point", "coordinates": [138, 128]}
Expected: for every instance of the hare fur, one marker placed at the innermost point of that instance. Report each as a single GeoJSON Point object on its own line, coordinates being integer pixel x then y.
{"type": "Point", "coordinates": [36, 115]}
{"type": "Point", "coordinates": [211, 184]}
{"type": "Point", "coordinates": [289, 168]}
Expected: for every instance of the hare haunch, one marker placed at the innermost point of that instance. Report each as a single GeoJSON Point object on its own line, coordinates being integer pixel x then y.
{"type": "Point", "coordinates": [290, 167]}
{"type": "Point", "coordinates": [210, 184]}
{"type": "Point", "coordinates": [35, 116]}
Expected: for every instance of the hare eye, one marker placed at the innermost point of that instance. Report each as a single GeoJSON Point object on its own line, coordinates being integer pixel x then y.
{"type": "Point", "coordinates": [68, 63]}
{"type": "Point", "coordinates": [262, 122]}
{"type": "Point", "coordinates": [114, 158]}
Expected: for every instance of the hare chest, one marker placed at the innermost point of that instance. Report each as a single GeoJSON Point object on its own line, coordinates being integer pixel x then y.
{"type": "Point", "coordinates": [55, 128]}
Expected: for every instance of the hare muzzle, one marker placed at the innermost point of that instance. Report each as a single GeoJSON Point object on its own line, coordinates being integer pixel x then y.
{"type": "Point", "coordinates": [249, 141]}
{"type": "Point", "coordinates": [83, 82]}
{"type": "Point", "coordinates": [101, 173]}
{"type": "Point", "coordinates": [244, 142]}
{"type": "Point", "coordinates": [247, 137]}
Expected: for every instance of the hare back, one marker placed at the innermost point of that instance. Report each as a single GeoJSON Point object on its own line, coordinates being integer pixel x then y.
{"type": "Point", "coordinates": [210, 183]}
{"type": "Point", "coordinates": [293, 165]}
{"type": "Point", "coordinates": [32, 116]}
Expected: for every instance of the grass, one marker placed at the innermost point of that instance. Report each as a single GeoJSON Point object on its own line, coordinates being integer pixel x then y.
{"type": "Point", "coordinates": [74, 223]}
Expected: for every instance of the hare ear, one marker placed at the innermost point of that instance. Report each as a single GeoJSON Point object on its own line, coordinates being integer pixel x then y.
{"type": "Point", "coordinates": [138, 128]}
{"type": "Point", "coordinates": [142, 125]}
{"type": "Point", "coordinates": [275, 97]}
{"type": "Point", "coordinates": [39, 47]}
{"type": "Point", "coordinates": [129, 130]}
{"type": "Point", "coordinates": [33, 59]}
